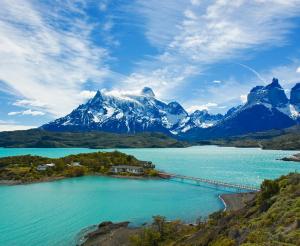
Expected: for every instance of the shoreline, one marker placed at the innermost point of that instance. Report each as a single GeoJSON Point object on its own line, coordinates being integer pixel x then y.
{"type": "Point", "coordinates": [52, 179]}
{"type": "Point", "coordinates": [224, 203]}
{"type": "Point", "coordinates": [236, 201]}
{"type": "Point", "coordinates": [119, 233]}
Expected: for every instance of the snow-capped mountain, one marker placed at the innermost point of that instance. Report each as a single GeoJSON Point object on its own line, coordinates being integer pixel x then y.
{"type": "Point", "coordinates": [267, 108]}
{"type": "Point", "coordinates": [122, 114]}
{"type": "Point", "coordinates": [295, 98]}
{"type": "Point", "coordinates": [198, 119]}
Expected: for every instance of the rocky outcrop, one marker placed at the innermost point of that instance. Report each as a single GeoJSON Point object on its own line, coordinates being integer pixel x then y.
{"type": "Point", "coordinates": [110, 234]}
{"type": "Point", "coordinates": [272, 94]}
{"type": "Point", "coordinates": [295, 97]}
{"type": "Point", "coordinates": [267, 108]}
{"type": "Point", "coordinates": [295, 157]}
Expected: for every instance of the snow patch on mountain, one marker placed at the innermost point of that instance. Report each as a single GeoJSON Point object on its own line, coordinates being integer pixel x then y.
{"type": "Point", "coordinates": [137, 112]}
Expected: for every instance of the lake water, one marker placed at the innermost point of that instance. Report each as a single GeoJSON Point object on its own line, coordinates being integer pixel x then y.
{"type": "Point", "coordinates": [53, 213]}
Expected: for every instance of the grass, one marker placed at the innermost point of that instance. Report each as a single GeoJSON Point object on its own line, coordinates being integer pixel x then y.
{"type": "Point", "coordinates": [271, 218]}
{"type": "Point", "coordinates": [24, 168]}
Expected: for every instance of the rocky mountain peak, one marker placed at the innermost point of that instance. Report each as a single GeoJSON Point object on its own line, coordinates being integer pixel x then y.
{"type": "Point", "coordinates": [274, 84]}
{"type": "Point", "coordinates": [147, 91]}
{"type": "Point", "coordinates": [97, 98]}
{"type": "Point", "coordinates": [295, 95]}
{"type": "Point", "coordinates": [272, 94]}
{"type": "Point", "coordinates": [176, 108]}
{"type": "Point", "coordinates": [267, 108]}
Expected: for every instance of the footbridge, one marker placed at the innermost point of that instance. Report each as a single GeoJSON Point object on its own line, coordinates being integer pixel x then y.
{"type": "Point", "coordinates": [215, 183]}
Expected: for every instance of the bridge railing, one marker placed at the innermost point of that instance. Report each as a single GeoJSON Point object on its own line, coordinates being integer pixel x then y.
{"type": "Point", "coordinates": [208, 181]}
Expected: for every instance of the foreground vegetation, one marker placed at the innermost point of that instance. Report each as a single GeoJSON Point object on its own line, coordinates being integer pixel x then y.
{"type": "Point", "coordinates": [271, 218]}
{"type": "Point", "coordinates": [23, 169]}
{"type": "Point", "coordinates": [37, 138]}
{"type": "Point", "coordinates": [286, 139]}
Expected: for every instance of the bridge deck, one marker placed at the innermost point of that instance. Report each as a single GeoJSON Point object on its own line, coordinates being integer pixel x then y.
{"type": "Point", "coordinates": [209, 181]}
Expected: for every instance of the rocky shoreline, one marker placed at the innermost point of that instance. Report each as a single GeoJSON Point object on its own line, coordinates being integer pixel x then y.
{"type": "Point", "coordinates": [20, 182]}
{"type": "Point", "coordinates": [110, 234]}
{"type": "Point", "coordinates": [295, 158]}
{"type": "Point", "coordinates": [119, 234]}
{"type": "Point", "coordinates": [51, 179]}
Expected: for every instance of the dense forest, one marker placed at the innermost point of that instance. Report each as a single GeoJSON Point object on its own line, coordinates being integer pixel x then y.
{"type": "Point", "coordinates": [37, 138]}
{"type": "Point", "coordinates": [271, 218]}
{"type": "Point", "coordinates": [24, 168]}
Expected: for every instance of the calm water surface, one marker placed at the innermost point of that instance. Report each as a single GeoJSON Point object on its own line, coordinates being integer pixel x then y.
{"type": "Point", "coordinates": [53, 213]}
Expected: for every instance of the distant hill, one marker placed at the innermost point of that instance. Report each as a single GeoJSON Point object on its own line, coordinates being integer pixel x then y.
{"type": "Point", "coordinates": [37, 138]}
{"type": "Point", "coordinates": [267, 108]}
{"type": "Point", "coordinates": [285, 139]}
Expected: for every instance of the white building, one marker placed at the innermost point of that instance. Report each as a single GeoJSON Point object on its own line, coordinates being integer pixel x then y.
{"type": "Point", "coordinates": [44, 167]}
{"type": "Point", "coordinates": [127, 169]}
{"type": "Point", "coordinates": [75, 164]}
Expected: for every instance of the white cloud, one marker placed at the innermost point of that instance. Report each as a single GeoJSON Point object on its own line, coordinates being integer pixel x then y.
{"type": "Point", "coordinates": [14, 113]}
{"type": "Point", "coordinates": [9, 125]}
{"type": "Point", "coordinates": [298, 70]}
{"type": "Point", "coordinates": [26, 103]}
{"type": "Point", "coordinates": [4, 127]}
{"type": "Point", "coordinates": [195, 2]}
{"type": "Point", "coordinates": [243, 98]}
{"type": "Point", "coordinates": [287, 74]}
{"type": "Point", "coordinates": [201, 33]}
{"type": "Point", "coordinates": [108, 25]}
{"type": "Point", "coordinates": [44, 62]}
{"type": "Point", "coordinates": [103, 6]}
{"type": "Point", "coordinates": [27, 112]}
{"type": "Point", "coordinates": [217, 81]}
{"type": "Point", "coordinates": [87, 94]}
{"type": "Point", "coordinates": [190, 14]}
{"type": "Point", "coordinates": [206, 106]}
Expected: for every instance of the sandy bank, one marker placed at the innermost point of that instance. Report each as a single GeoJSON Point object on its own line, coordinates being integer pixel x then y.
{"type": "Point", "coordinates": [236, 201]}
{"type": "Point", "coordinates": [111, 234]}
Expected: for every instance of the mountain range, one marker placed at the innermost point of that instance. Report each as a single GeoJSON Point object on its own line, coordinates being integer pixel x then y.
{"type": "Point", "coordinates": [267, 108]}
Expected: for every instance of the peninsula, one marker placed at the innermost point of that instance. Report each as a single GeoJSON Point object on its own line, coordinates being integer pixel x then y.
{"type": "Point", "coordinates": [28, 168]}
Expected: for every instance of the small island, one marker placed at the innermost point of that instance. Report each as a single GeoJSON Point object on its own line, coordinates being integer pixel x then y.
{"type": "Point", "coordinates": [27, 168]}
{"type": "Point", "coordinates": [295, 157]}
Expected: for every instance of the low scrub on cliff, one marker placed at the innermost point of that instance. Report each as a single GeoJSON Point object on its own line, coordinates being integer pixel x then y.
{"type": "Point", "coordinates": [271, 218]}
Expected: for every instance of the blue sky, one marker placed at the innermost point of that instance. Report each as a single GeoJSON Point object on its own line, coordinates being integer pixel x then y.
{"type": "Point", "coordinates": [54, 54]}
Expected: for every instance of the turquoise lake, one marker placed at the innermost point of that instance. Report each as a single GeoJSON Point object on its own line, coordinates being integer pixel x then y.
{"type": "Point", "coordinates": [54, 213]}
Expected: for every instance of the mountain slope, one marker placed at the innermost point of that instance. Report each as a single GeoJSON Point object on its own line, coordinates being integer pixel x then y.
{"type": "Point", "coordinates": [286, 139]}
{"type": "Point", "coordinates": [267, 108]}
{"type": "Point", "coordinates": [130, 114]}
{"type": "Point", "coordinates": [37, 138]}
{"type": "Point", "coordinates": [270, 219]}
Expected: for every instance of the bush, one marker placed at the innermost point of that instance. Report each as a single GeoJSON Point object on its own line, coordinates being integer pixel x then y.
{"type": "Point", "coordinates": [269, 188]}
{"type": "Point", "coordinates": [223, 241]}
{"type": "Point", "coordinates": [148, 237]}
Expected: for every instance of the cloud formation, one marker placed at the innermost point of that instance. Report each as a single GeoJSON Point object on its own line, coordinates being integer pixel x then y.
{"type": "Point", "coordinates": [27, 112]}
{"type": "Point", "coordinates": [206, 106]}
{"type": "Point", "coordinates": [52, 51]}
{"type": "Point", "coordinates": [197, 34]}
{"type": "Point", "coordinates": [10, 125]}
{"type": "Point", "coordinates": [46, 53]}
